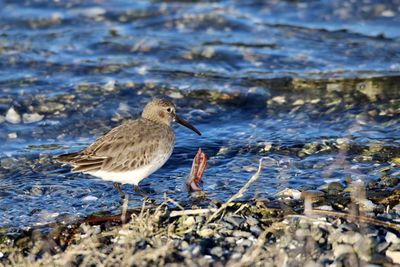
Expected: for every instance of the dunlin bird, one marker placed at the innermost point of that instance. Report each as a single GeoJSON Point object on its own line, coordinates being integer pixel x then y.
{"type": "Point", "coordinates": [132, 151]}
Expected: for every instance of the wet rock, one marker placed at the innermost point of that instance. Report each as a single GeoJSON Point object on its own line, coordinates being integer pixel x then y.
{"type": "Point", "coordinates": [238, 233]}
{"type": "Point", "coordinates": [8, 163]}
{"type": "Point", "coordinates": [189, 221]}
{"type": "Point", "coordinates": [12, 135]}
{"type": "Point", "coordinates": [397, 208]}
{"type": "Point", "coordinates": [350, 238]}
{"type": "Point", "coordinates": [389, 181]}
{"type": "Point", "coordinates": [217, 251]}
{"type": "Point", "coordinates": [332, 187]}
{"type": "Point", "coordinates": [302, 234]}
{"type": "Point", "coordinates": [312, 194]}
{"type": "Point", "coordinates": [256, 230]}
{"type": "Point", "coordinates": [392, 238]}
{"type": "Point", "coordinates": [206, 232]}
{"type": "Point", "coordinates": [342, 249]}
{"type": "Point", "coordinates": [251, 221]}
{"type": "Point", "coordinates": [51, 107]}
{"type": "Point", "coordinates": [289, 192]}
{"type": "Point", "coordinates": [12, 116]}
{"type": "Point", "coordinates": [32, 117]}
{"type": "Point", "coordinates": [89, 198]}
{"type": "Point", "coordinates": [236, 221]}
{"type": "Point", "coordinates": [363, 248]}
{"type": "Point", "coordinates": [394, 255]}
{"type": "Point", "coordinates": [366, 204]}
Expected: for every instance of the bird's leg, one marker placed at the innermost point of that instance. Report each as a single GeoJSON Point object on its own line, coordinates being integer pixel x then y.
{"type": "Point", "coordinates": [116, 185]}
{"type": "Point", "coordinates": [137, 190]}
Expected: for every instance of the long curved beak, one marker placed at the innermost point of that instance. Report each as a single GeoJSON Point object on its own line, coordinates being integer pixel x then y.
{"type": "Point", "coordinates": [186, 124]}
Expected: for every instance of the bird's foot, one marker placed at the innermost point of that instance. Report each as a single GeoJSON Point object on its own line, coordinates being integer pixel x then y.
{"type": "Point", "coordinates": [117, 186]}
{"type": "Point", "coordinates": [145, 196]}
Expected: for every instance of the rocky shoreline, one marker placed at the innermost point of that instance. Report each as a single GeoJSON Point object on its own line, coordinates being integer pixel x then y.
{"type": "Point", "coordinates": [351, 225]}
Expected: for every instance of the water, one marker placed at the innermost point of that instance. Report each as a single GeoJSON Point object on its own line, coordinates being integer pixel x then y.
{"type": "Point", "coordinates": [314, 86]}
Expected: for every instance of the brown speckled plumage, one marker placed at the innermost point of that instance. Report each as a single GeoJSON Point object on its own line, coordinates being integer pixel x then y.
{"type": "Point", "coordinates": [134, 145]}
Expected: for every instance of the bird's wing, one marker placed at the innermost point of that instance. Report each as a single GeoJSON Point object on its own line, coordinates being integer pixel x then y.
{"type": "Point", "coordinates": [127, 146]}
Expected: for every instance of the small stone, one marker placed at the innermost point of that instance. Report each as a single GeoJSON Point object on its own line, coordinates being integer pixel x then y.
{"type": "Point", "coordinates": [256, 230]}
{"type": "Point", "coordinates": [175, 95]}
{"type": "Point", "coordinates": [234, 220]}
{"type": "Point", "coordinates": [206, 232]}
{"type": "Point", "coordinates": [250, 220]}
{"type": "Point", "coordinates": [342, 249]}
{"type": "Point", "coordinates": [394, 255]}
{"type": "Point", "coordinates": [325, 207]}
{"type": "Point", "coordinates": [109, 86]}
{"type": "Point", "coordinates": [302, 234]}
{"type": "Point", "coordinates": [279, 99]}
{"type": "Point", "coordinates": [31, 118]}
{"type": "Point", "coordinates": [245, 242]}
{"type": "Point", "coordinates": [382, 247]}
{"type": "Point", "coordinates": [7, 163]}
{"type": "Point", "coordinates": [366, 204]}
{"type": "Point", "coordinates": [335, 186]}
{"type": "Point", "coordinates": [89, 198]}
{"type": "Point", "coordinates": [12, 135]}
{"type": "Point", "coordinates": [298, 102]}
{"type": "Point", "coordinates": [397, 208]}
{"type": "Point", "coordinates": [12, 116]}
{"type": "Point", "coordinates": [392, 238]}
{"type": "Point", "coordinates": [350, 237]}
{"type": "Point", "coordinates": [217, 251]}
{"type": "Point", "coordinates": [313, 194]}
{"type": "Point", "coordinates": [239, 233]}
{"type": "Point", "coordinates": [189, 221]}
{"type": "Point", "coordinates": [289, 192]}
{"type": "Point", "coordinates": [389, 181]}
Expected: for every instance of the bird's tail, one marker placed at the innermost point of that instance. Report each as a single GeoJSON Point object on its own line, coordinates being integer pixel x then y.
{"type": "Point", "coordinates": [68, 158]}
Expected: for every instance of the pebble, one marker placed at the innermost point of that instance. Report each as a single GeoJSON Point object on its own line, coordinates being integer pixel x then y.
{"type": "Point", "coordinates": [12, 135]}
{"type": "Point", "coordinates": [394, 255]}
{"type": "Point", "coordinates": [31, 118]}
{"type": "Point", "coordinates": [333, 186]}
{"type": "Point", "coordinates": [206, 232]}
{"type": "Point", "coordinates": [349, 237]}
{"type": "Point", "coordinates": [392, 238]}
{"type": "Point", "coordinates": [234, 220]}
{"type": "Point", "coordinates": [397, 208]}
{"type": "Point", "coordinates": [256, 230]}
{"type": "Point", "coordinates": [217, 251]}
{"type": "Point", "coordinates": [289, 192]}
{"type": "Point", "coordinates": [302, 234]}
{"type": "Point", "coordinates": [250, 220]}
{"type": "Point", "coordinates": [12, 116]}
{"type": "Point", "coordinates": [189, 221]}
{"type": "Point", "coordinates": [238, 233]}
{"type": "Point", "coordinates": [89, 198]}
{"type": "Point", "coordinates": [389, 181]}
{"type": "Point", "coordinates": [366, 204]}
{"type": "Point", "coordinates": [342, 249]}
{"type": "Point", "coordinates": [8, 163]}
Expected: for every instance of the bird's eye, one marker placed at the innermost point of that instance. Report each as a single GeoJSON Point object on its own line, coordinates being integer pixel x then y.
{"type": "Point", "coordinates": [169, 110]}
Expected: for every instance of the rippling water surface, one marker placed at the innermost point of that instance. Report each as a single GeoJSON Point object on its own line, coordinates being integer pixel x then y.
{"type": "Point", "coordinates": [312, 85]}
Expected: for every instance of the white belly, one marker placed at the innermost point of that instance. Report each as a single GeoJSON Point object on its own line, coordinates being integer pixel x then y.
{"type": "Point", "coordinates": [132, 176]}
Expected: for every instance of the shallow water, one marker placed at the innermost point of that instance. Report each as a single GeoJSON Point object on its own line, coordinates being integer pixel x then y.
{"type": "Point", "coordinates": [313, 86]}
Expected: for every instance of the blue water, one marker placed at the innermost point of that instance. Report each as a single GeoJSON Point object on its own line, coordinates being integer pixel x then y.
{"type": "Point", "coordinates": [258, 78]}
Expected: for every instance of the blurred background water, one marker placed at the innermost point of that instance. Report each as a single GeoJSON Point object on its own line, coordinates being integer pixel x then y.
{"type": "Point", "coordinates": [314, 85]}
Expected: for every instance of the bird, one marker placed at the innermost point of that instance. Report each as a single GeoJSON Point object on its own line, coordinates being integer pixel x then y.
{"type": "Point", "coordinates": [132, 151]}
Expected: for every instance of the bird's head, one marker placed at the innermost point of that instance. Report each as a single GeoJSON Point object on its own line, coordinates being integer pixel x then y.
{"type": "Point", "coordinates": [164, 111]}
